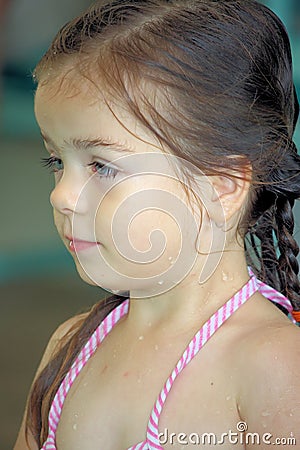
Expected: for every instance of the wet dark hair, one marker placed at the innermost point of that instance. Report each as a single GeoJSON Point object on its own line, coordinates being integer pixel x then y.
{"type": "Point", "coordinates": [223, 71]}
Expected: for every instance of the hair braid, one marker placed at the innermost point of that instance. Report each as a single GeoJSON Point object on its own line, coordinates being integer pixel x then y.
{"type": "Point", "coordinates": [262, 255]}
{"type": "Point", "coordinates": [268, 258]}
{"type": "Point", "coordinates": [274, 249]}
{"type": "Point", "coordinates": [288, 267]}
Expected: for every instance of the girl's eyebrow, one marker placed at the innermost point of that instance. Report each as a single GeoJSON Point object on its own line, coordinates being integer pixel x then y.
{"type": "Point", "coordinates": [88, 144]}
{"type": "Point", "coordinates": [91, 143]}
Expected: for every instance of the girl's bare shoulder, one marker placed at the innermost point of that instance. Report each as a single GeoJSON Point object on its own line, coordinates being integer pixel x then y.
{"type": "Point", "coordinates": [269, 386]}
{"type": "Point", "coordinates": [66, 329]}
{"type": "Point", "coordinates": [269, 343]}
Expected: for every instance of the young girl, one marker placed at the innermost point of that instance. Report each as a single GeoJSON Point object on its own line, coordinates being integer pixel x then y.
{"type": "Point", "coordinates": [169, 128]}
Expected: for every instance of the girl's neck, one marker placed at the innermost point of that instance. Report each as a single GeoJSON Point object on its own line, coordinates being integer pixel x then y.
{"type": "Point", "coordinates": [190, 302]}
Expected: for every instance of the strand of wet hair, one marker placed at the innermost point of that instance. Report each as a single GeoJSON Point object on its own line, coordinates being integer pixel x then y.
{"type": "Point", "coordinates": [288, 267]}
{"type": "Point", "coordinates": [266, 259]}
{"type": "Point", "coordinates": [275, 248]}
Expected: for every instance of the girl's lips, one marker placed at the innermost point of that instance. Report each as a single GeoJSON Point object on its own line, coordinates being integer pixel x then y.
{"type": "Point", "coordinates": [77, 245]}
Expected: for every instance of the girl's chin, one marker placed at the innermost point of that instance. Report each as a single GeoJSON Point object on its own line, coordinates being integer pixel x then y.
{"type": "Point", "coordinates": [84, 276]}
{"type": "Point", "coordinates": [115, 283]}
{"type": "Point", "coordinates": [92, 281]}
{"type": "Point", "coordinates": [87, 280]}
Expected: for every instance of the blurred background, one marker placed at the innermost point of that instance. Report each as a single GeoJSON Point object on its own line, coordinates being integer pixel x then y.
{"type": "Point", "coordinates": [39, 287]}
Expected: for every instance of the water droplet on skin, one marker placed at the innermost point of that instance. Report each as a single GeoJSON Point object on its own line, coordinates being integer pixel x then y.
{"type": "Point", "coordinates": [226, 276]}
{"type": "Point", "coordinates": [75, 426]}
{"type": "Point", "coordinates": [265, 413]}
{"type": "Point", "coordinates": [206, 300]}
{"type": "Point", "coordinates": [141, 338]}
{"type": "Point", "coordinates": [156, 347]}
{"type": "Point", "coordinates": [228, 397]}
{"type": "Point", "coordinates": [161, 282]}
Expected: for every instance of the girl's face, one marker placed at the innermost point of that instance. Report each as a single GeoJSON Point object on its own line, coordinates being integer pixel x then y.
{"type": "Point", "coordinates": [119, 206]}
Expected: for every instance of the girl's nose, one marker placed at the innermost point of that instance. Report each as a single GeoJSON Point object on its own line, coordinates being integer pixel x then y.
{"type": "Point", "coordinates": [68, 196]}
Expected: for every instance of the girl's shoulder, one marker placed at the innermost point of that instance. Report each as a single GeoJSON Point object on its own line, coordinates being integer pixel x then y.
{"type": "Point", "coordinates": [266, 336]}
{"type": "Point", "coordinates": [269, 345]}
{"type": "Point", "coordinates": [269, 388]}
{"type": "Point", "coordinates": [65, 330]}
{"type": "Point", "coordinates": [274, 350]}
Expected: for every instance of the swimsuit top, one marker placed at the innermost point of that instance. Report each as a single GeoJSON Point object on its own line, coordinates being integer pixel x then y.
{"type": "Point", "coordinates": [151, 441]}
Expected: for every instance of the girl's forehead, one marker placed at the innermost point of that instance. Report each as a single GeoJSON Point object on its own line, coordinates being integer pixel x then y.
{"type": "Point", "coordinates": [80, 114]}
{"type": "Point", "coordinates": [64, 87]}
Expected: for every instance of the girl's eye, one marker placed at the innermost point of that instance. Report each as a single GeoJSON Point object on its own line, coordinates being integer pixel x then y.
{"type": "Point", "coordinates": [104, 170]}
{"type": "Point", "coordinates": [55, 164]}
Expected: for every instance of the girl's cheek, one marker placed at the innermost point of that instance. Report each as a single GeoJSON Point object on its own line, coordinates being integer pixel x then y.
{"type": "Point", "coordinates": [154, 231]}
{"type": "Point", "coordinates": [147, 242]}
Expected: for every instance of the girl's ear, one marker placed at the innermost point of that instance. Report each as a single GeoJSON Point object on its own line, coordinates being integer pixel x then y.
{"type": "Point", "coordinates": [230, 192]}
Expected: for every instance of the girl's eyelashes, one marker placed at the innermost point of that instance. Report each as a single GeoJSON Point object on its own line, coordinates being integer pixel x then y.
{"type": "Point", "coordinates": [53, 163]}
{"type": "Point", "coordinates": [103, 170]}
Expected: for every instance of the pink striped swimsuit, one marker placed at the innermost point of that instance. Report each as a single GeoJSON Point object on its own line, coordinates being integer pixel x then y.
{"type": "Point", "coordinates": [151, 441]}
